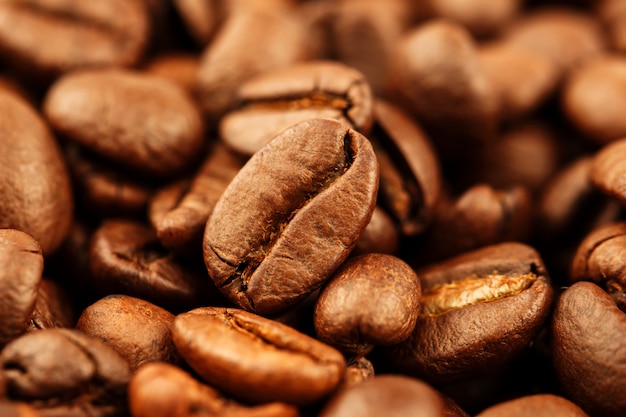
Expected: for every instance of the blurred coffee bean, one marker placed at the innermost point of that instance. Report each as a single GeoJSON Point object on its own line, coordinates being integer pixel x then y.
{"type": "Point", "coordinates": [53, 307]}
{"type": "Point", "coordinates": [179, 212]}
{"type": "Point", "coordinates": [21, 266]}
{"type": "Point", "coordinates": [599, 80]}
{"type": "Point", "coordinates": [140, 121]}
{"type": "Point", "coordinates": [410, 175]}
{"type": "Point", "coordinates": [275, 100]}
{"type": "Point", "coordinates": [389, 395]}
{"type": "Point", "coordinates": [34, 181]}
{"type": "Point", "coordinates": [539, 405]}
{"type": "Point", "coordinates": [46, 38]}
{"type": "Point", "coordinates": [202, 18]}
{"type": "Point", "coordinates": [162, 390]}
{"type": "Point", "coordinates": [479, 310]}
{"type": "Point", "coordinates": [127, 258]}
{"type": "Point", "coordinates": [358, 369]}
{"type": "Point", "coordinates": [393, 292]}
{"type": "Point", "coordinates": [256, 359]}
{"type": "Point", "coordinates": [481, 216]}
{"type": "Point", "coordinates": [180, 68]}
{"type": "Point", "coordinates": [589, 355]}
{"type": "Point", "coordinates": [291, 215]}
{"type": "Point", "coordinates": [565, 36]}
{"type": "Point", "coordinates": [612, 13]}
{"type": "Point", "coordinates": [608, 170]}
{"type": "Point", "coordinates": [136, 329]}
{"type": "Point", "coordinates": [17, 409]}
{"type": "Point", "coordinates": [63, 372]}
{"type": "Point", "coordinates": [380, 235]}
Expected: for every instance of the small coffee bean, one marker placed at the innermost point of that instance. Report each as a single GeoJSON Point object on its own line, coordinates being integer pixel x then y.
{"type": "Point", "coordinates": [540, 405]}
{"type": "Point", "coordinates": [41, 208]}
{"type": "Point", "coordinates": [291, 215]}
{"type": "Point", "coordinates": [276, 100]}
{"type": "Point", "coordinates": [380, 235]}
{"type": "Point", "coordinates": [608, 170]}
{"type": "Point", "coordinates": [136, 329]}
{"type": "Point", "coordinates": [140, 121]}
{"type": "Point", "coordinates": [370, 300]}
{"type": "Point", "coordinates": [479, 310]}
{"type": "Point", "coordinates": [256, 359]}
{"type": "Point", "coordinates": [388, 395]}
{"type": "Point", "coordinates": [53, 308]}
{"type": "Point", "coordinates": [358, 369]}
{"type": "Point", "coordinates": [589, 355]}
{"type": "Point", "coordinates": [65, 372]}
{"type": "Point", "coordinates": [162, 390]}
{"type": "Point", "coordinates": [21, 266]}
{"type": "Point", "coordinates": [58, 36]}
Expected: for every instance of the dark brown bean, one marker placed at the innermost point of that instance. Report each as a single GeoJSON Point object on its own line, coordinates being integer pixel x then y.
{"type": "Point", "coordinates": [140, 121]}
{"type": "Point", "coordinates": [608, 170]}
{"type": "Point", "coordinates": [136, 329]}
{"type": "Point", "coordinates": [380, 235]}
{"type": "Point", "coordinates": [63, 372]}
{"type": "Point", "coordinates": [256, 359]}
{"type": "Point", "coordinates": [589, 355]}
{"type": "Point", "coordinates": [370, 300]}
{"type": "Point", "coordinates": [539, 405]}
{"type": "Point", "coordinates": [41, 208]}
{"type": "Point", "coordinates": [53, 308]}
{"type": "Point", "coordinates": [21, 266]}
{"type": "Point", "coordinates": [479, 311]}
{"type": "Point", "coordinates": [278, 99]}
{"type": "Point", "coordinates": [292, 215]}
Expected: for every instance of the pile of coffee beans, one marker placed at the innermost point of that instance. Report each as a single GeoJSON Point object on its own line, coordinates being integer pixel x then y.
{"type": "Point", "coordinates": [331, 208]}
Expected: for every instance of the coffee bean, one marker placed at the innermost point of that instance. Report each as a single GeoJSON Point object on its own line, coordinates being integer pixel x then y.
{"type": "Point", "coordinates": [380, 235]}
{"type": "Point", "coordinates": [608, 169]}
{"type": "Point", "coordinates": [28, 151]}
{"type": "Point", "coordinates": [162, 390]}
{"type": "Point", "coordinates": [540, 405]}
{"type": "Point", "coordinates": [64, 372]}
{"type": "Point", "coordinates": [389, 395]}
{"type": "Point", "coordinates": [136, 329]}
{"type": "Point", "coordinates": [145, 123]}
{"type": "Point", "coordinates": [58, 36]}
{"type": "Point", "coordinates": [53, 308]}
{"type": "Point", "coordinates": [291, 215]}
{"type": "Point", "coordinates": [17, 409]}
{"type": "Point", "coordinates": [276, 100]}
{"type": "Point", "coordinates": [392, 290]}
{"type": "Point", "coordinates": [256, 359]}
{"type": "Point", "coordinates": [21, 266]}
{"type": "Point", "coordinates": [358, 369]}
{"type": "Point", "coordinates": [479, 310]}
{"type": "Point", "coordinates": [588, 330]}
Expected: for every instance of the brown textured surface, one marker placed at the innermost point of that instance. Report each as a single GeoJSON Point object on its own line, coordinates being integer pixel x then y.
{"type": "Point", "coordinates": [393, 292]}
{"type": "Point", "coordinates": [34, 181]}
{"type": "Point", "coordinates": [256, 359]}
{"type": "Point", "coordinates": [157, 131]}
{"type": "Point", "coordinates": [538, 405]}
{"type": "Point", "coordinates": [21, 266]}
{"type": "Point", "coordinates": [599, 256]}
{"type": "Point", "coordinates": [588, 332]}
{"type": "Point", "coordinates": [292, 215]}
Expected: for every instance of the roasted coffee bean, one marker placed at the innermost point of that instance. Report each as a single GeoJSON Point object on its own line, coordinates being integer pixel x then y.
{"type": "Point", "coordinates": [389, 395]}
{"type": "Point", "coordinates": [612, 13]}
{"type": "Point", "coordinates": [608, 170]}
{"type": "Point", "coordinates": [180, 211]}
{"type": "Point", "coordinates": [136, 329]}
{"type": "Point", "coordinates": [601, 80]}
{"type": "Point", "coordinates": [380, 235]}
{"type": "Point", "coordinates": [276, 100]}
{"type": "Point", "coordinates": [162, 390]}
{"type": "Point", "coordinates": [21, 266]}
{"type": "Point", "coordinates": [589, 355]}
{"type": "Point", "coordinates": [523, 79]}
{"type": "Point", "coordinates": [42, 207]}
{"type": "Point", "coordinates": [563, 35]}
{"type": "Point", "coordinates": [358, 369]}
{"type": "Point", "coordinates": [291, 215]}
{"type": "Point", "coordinates": [180, 68]}
{"type": "Point", "coordinates": [479, 310]}
{"type": "Point", "coordinates": [540, 405]}
{"type": "Point", "coordinates": [371, 300]}
{"type": "Point", "coordinates": [481, 216]}
{"type": "Point", "coordinates": [59, 36]}
{"type": "Point", "coordinates": [256, 359]}
{"type": "Point", "coordinates": [248, 44]}
{"type": "Point", "coordinates": [53, 308]}
{"type": "Point", "coordinates": [127, 258]}
{"type": "Point", "coordinates": [364, 34]}
{"type": "Point", "coordinates": [438, 73]}
{"type": "Point", "coordinates": [410, 177]}
{"type": "Point", "coordinates": [63, 372]}
{"type": "Point", "coordinates": [140, 121]}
